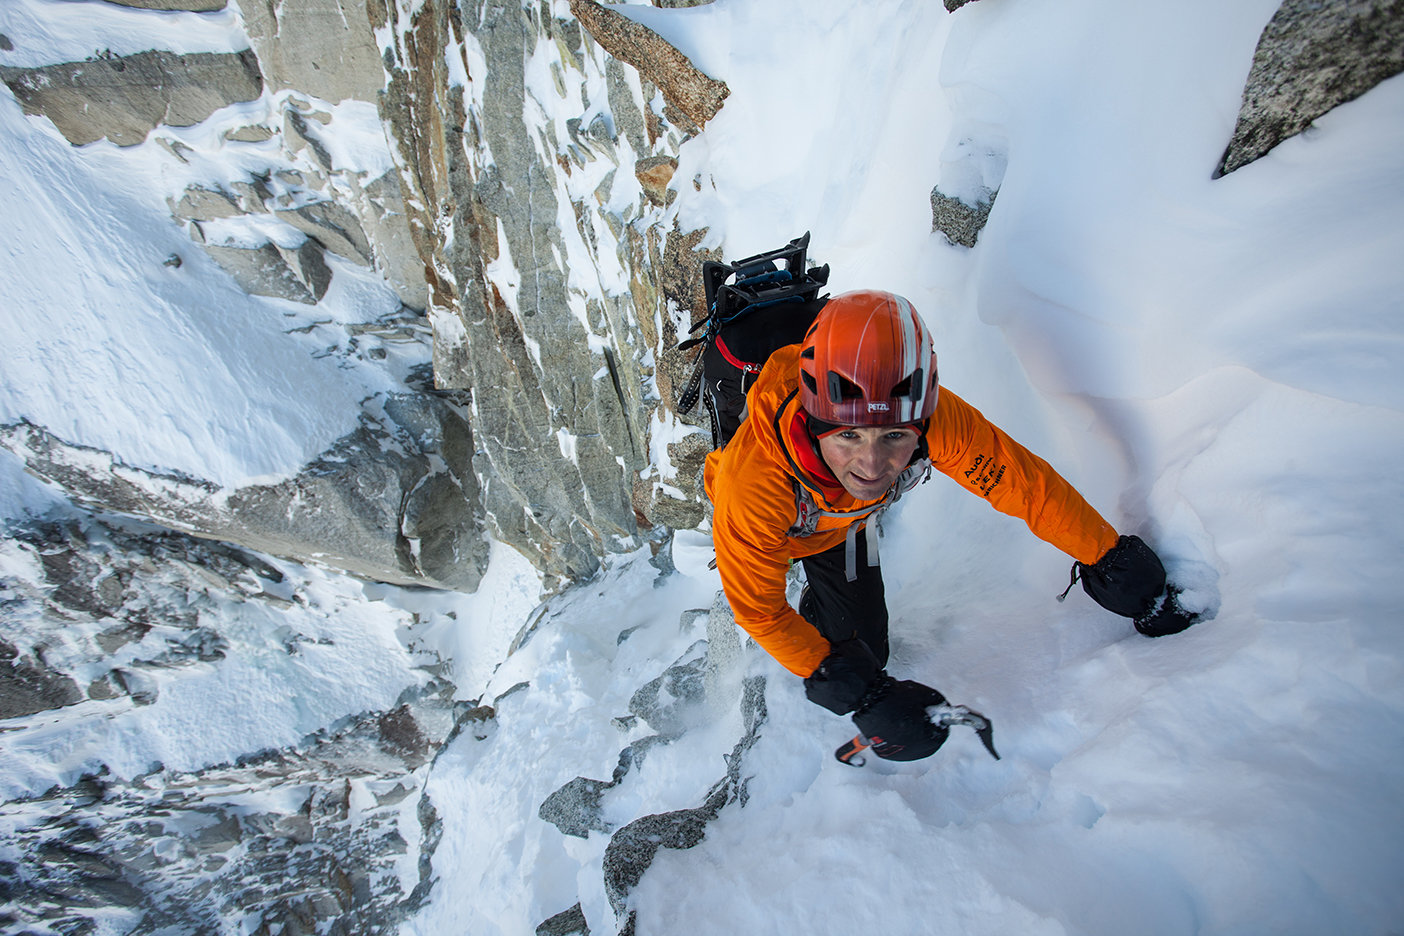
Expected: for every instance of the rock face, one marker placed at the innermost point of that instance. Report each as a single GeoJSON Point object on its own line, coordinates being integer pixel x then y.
{"type": "Point", "coordinates": [125, 98]}
{"type": "Point", "coordinates": [395, 501]}
{"type": "Point", "coordinates": [189, 6]}
{"type": "Point", "coordinates": [1311, 57]}
{"type": "Point", "coordinates": [532, 238]}
{"type": "Point", "coordinates": [328, 835]}
{"type": "Point", "coordinates": [319, 47]}
{"type": "Point", "coordinates": [544, 253]}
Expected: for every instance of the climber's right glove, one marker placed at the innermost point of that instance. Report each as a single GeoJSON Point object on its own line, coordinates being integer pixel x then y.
{"type": "Point", "coordinates": [844, 678]}
{"type": "Point", "coordinates": [895, 718]}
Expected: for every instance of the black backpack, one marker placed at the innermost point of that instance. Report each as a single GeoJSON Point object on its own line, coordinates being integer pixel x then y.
{"type": "Point", "coordinates": [754, 306]}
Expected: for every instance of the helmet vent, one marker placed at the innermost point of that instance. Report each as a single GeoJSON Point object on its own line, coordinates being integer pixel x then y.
{"type": "Point", "coordinates": [841, 388]}
{"type": "Point", "coordinates": [810, 382]}
{"type": "Point", "coordinates": [909, 386]}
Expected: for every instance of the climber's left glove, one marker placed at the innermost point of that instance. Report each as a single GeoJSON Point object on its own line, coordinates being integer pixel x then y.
{"type": "Point", "coordinates": [1130, 580]}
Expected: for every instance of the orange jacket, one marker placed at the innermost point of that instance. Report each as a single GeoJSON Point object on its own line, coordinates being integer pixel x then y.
{"type": "Point", "coordinates": [751, 485]}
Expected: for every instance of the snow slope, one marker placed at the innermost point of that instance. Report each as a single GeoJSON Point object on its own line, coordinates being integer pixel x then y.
{"type": "Point", "coordinates": [1215, 364]}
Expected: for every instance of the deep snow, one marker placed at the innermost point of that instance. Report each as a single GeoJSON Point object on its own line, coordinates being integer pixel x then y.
{"type": "Point", "coordinates": [1214, 363]}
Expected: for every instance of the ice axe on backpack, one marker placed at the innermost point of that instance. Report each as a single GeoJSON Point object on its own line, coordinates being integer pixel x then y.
{"type": "Point", "coordinates": [942, 718]}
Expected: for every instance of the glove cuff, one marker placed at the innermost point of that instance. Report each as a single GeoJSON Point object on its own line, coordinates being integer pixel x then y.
{"type": "Point", "coordinates": [1128, 580]}
{"type": "Point", "coordinates": [842, 682]}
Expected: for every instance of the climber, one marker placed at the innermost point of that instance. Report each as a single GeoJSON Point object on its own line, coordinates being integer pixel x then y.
{"type": "Point", "coordinates": [837, 428]}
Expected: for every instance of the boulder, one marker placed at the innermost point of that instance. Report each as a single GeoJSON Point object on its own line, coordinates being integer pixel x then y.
{"type": "Point", "coordinates": [654, 173]}
{"type": "Point", "coordinates": [696, 95]}
{"type": "Point", "coordinates": [202, 204]}
{"type": "Point", "coordinates": [961, 223]}
{"type": "Point", "coordinates": [299, 274]}
{"type": "Point", "coordinates": [333, 226]}
{"type": "Point", "coordinates": [1312, 56]}
{"type": "Point", "coordinates": [124, 98]}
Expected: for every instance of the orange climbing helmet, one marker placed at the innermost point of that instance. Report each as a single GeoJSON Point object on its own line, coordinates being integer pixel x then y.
{"type": "Point", "coordinates": [868, 360]}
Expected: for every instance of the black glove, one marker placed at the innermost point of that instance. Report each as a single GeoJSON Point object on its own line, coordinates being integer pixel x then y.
{"type": "Point", "coordinates": [844, 678]}
{"type": "Point", "coordinates": [893, 717]}
{"type": "Point", "coordinates": [1167, 617]}
{"type": "Point", "coordinates": [1130, 580]}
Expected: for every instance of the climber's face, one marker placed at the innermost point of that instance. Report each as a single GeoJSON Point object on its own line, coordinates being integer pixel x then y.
{"type": "Point", "coordinates": [867, 459]}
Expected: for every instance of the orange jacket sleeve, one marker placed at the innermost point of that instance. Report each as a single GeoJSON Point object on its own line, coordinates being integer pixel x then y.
{"type": "Point", "coordinates": [753, 507]}
{"type": "Point", "coordinates": [984, 459]}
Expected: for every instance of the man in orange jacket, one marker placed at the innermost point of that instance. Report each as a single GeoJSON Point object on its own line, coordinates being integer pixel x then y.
{"type": "Point", "coordinates": [837, 428]}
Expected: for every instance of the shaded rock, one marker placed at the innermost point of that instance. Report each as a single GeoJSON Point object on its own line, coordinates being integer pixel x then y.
{"type": "Point", "coordinates": [385, 219]}
{"type": "Point", "coordinates": [554, 378]}
{"type": "Point", "coordinates": [188, 6]}
{"type": "Point", "coordinates": [668, 703]}
{"type": "Point", "coordinates": [320, 47]}
{"type": "Point", "coordinates": [681, 286]}
{"type": "Point", "coordinates": [566, 923]}
{"type": "Point", "coordinates": [1311, 57]}
{"type": "Point", "coordinates": [298, 135]}
{"type": "Point", "coordinates": [191, 853]}
{"type": "Point", "coordinates": [335, 227]}
{"type": "Point", "coordinates": [575, 808]}
{"type": "Point", "coordinates": [654, 173]}
{"type": "Point", "coordinates": [961, 223]}
{"type": "Point", "coordinates": [400, 734]}
{"type": "Point", "coordinates": [953, 5]}
{"type": "Point", "coordinates": [394, 501]}
{"type": "Point", "coordinates": [696, 95]}
{"type": "Point", "coordinates": [202, 204]}
{"type": "Point", "coordinates": [27, 686]}
{"type": "Point", "coordinates": [254, 133]}
{"type": "Point", "coordinates": [632, 849]}
{"type": "Point", "coordinates": [628, 116]}
{"type": "Point", "coordinates": [125, 98]}
{"type": "Point", "coordinates": [299, 274]}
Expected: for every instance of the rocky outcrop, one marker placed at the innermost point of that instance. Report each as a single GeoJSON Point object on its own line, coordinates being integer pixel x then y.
{"type": "Point", "coordinates": [1311, 57]}
{"type": "Point", "coordinates": [171, 6]}
{"type": "Point", "coordinates": [395, 501]}
{"type": "Point", "coordinates": [702, 685]}
{"type": "Point", "coordinates": [544, 254]}
{"type": "Point", "coordinates": [331, 834]}
{"type": "Point", "coordinates": [298, 273]}
{"type": "Point", "coordinates": [697, 96]}
{"type": "Point", "coordinates": [124, 98]}
{"type": "Point", "coordinates": [27, 686]}
{"type": "Point", "coordinates": [633, 848]}
{"type": "Point", "coordinates": [961, 223]}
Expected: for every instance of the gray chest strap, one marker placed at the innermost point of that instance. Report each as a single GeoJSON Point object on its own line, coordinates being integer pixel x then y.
{"type": "Point", "coordinates": [808, 512]}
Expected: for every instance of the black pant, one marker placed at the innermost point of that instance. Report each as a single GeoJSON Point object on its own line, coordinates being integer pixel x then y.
{"type": "Point", "coordinates": [844, 610]}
